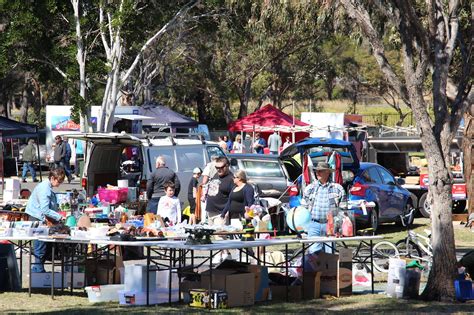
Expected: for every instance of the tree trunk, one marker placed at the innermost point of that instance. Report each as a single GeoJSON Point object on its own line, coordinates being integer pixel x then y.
{"type": "Point", "coordinates": [227, 112]}
{"type": "Point", "coordinates": [24, 106]}
{"type": "Point", "coordinates": [440, 285]}
{"type": "Point", "coordinates": [201, 106]}
{"type": "Point", "coordinates": [244, 97]}
{"type": "Point", "coordinates": [468, 154]}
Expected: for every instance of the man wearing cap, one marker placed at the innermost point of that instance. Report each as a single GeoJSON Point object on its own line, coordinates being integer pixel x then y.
{"type": "Point", "coordinates": [322, 196]}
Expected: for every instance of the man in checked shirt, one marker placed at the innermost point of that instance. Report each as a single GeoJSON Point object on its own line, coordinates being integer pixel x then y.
{"type": "Point", "coordinates": [321, 196]}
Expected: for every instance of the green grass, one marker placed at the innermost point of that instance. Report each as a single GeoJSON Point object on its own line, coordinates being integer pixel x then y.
{"type": "Point", "coordinates": [368, 304]}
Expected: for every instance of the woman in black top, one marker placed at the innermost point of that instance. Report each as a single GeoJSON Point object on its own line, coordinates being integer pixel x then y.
{"type": "Point", "coordinates": [192, 192]}
{"type": "Point", "coordinates": [242, 196]}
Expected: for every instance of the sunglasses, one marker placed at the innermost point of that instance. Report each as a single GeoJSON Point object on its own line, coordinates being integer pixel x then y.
{"type": "Point", "coordinates": [221, 167]}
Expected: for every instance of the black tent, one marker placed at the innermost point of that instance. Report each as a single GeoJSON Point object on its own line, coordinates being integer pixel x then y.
{"type": "Point", "coordinates": [164, 116]}
{"type": "Point", "coordinates": [14, 129]}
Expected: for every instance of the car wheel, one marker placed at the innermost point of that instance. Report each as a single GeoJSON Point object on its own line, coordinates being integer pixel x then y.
{"type": "Point", "coordinates": [374, 219]}
{"type": "Point", "coordinates": [424, 206]}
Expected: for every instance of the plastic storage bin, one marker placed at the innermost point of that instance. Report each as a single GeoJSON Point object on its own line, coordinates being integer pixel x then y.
{"type": "Point", "coordinates": [104, 293]}
{"type": "Point", "coordinates": [113, 195]}
{"type": "Point", "coordinates": [158, 296]}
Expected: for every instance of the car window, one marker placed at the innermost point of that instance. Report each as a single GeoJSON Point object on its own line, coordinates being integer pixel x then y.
{"type": "Point", "coordinates": [189, 158]}
{"type": "Point", "coordinates": [166, 152]}
{"type": "Point", "coordinates": [214, 150]}
{"type": "Point", "coordinates": [372, 176]}
{"type": "Point", "coordinates": [263, 168]}
{"type": "Point", "coordinates": [386, 177]}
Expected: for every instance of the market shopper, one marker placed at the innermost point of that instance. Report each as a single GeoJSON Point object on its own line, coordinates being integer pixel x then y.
{"type": "Point", "coordinates": [209, 170]}
{"type": "Point", "coordinates": [274, 143]}
{"type": "Point", "coordinates": [192, 193]}
{"type": "Point", "coordinates": [155, 186]}
{"type": "Point", "coordinates": [29, 158]}
{"type": "Point", "coordinates": [219, 189]}
{"type": "Point", "coordinates": [42, 206]}
{"type": "Point", "coordinates": [259, 144]}
{"type": "Point", "coordinates": [67, 160]}
{"type": "Point", "coordinates": [322, 196]}
{"type": "Point", "coordinates": [241, 198]}
{"type": "Point", "coordinates": [287, 143]}
{"type": "Point", "coordinates": [60, 156]}
{"type": "Point", "coordinates": [238, 146]}
{"type": "Point", "coordinates": [169, 207]}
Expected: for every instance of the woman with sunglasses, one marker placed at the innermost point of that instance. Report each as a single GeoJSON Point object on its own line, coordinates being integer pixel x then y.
{"type": "Point", "coordinates": [241, 197]}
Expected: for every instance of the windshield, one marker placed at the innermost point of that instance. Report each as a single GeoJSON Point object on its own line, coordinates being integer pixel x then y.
{"type": "Point", "coordinates": [322, 154]}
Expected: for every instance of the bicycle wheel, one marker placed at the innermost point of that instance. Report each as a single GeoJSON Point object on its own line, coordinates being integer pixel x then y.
{"type": "Point", "coordinates": [411, 250]}
{"type": "Point", "coordinates": [382, 252]}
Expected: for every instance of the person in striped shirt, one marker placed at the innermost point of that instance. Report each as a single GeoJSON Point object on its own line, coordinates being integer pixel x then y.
{"type": "Point", "coordinates": [322, 196]}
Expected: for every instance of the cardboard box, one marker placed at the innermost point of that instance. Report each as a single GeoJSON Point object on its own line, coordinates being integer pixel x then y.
{"type": "Point", "coordinates": [328, 265]}
{"type": "Point", "coordinates": [345, 271]}
{"type": "Point", "coordinates": [236, 284]}
{"type": "Point", "coordinates": [202, 299]}
{"type": "Point", "coordinates": [311, 289]}
{"type": "Point", "coordinates": [262, 289]}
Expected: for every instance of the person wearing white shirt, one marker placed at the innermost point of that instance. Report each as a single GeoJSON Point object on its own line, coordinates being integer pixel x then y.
{"type": "Point", "coordinates": [169, 206]}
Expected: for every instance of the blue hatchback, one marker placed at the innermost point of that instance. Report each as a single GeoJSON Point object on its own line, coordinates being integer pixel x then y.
{"type": "Point", "coordinates": [362, 181]}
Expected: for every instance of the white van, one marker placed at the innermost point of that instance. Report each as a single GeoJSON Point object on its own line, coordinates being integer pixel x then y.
{"type": "Point", "coordinates": [114, 156]}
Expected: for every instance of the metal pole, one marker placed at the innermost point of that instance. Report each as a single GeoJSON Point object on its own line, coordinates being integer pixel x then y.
{"type": "Point", "coordinates": [39, 156]}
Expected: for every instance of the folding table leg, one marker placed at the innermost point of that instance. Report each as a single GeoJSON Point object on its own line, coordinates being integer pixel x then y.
{"type": "Point", "coordinates": [29, 267]}
{"type": "Point", "coordinates": [52, 272]}
{"type": "Point", "coordinates": [372, 264]}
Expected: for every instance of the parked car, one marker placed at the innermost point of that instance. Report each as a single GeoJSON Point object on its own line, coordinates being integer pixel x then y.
{"type": "Point", "coordinates": [362, 181]}
{"type": "Point", "coordinates": [105, 162]}
{"type": "Point", "coordinates": [274, 176]}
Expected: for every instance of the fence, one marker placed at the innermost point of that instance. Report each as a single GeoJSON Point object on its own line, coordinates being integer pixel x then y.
{"type": "Point", "coordinates": [387, 119]}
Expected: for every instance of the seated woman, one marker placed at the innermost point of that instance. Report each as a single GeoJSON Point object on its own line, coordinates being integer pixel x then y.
{"type": "Point", "coordinates": [241, 196]}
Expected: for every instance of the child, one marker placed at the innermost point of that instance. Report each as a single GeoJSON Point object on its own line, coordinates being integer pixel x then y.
{"type": "Point", "coordinates": [192, 193]}
{"type": "Point", "coordinates": [169, 206]}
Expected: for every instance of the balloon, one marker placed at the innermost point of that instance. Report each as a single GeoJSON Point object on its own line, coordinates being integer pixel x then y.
{"type": "Point", "coordinates": [300, 216]}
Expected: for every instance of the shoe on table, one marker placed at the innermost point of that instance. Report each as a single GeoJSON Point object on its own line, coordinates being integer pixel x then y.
{"type": "Point", "coordinates": [24, 180]}
{"type": "Point", "coordinates": [35, 180]}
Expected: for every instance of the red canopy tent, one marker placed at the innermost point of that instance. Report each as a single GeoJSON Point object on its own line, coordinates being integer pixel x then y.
{"type": "Point", "coordinates": [269, 118]}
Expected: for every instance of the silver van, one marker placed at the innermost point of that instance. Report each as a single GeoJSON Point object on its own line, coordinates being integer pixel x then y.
{"type": "Point", "coordinates": [114, 156]}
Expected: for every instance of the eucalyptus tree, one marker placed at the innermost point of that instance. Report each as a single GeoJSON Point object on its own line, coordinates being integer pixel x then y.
{"type": "Point", "coordinates": [436, 44]}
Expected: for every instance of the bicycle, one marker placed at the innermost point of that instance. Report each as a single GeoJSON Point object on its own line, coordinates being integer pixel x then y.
{"type": "Point", "coordinates": [415, 245]}
{"type": "Point", "coordinates": [381, 253]}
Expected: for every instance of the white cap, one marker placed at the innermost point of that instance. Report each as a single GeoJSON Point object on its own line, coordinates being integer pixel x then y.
{"type": "Point", "coordinates": [197, 170]}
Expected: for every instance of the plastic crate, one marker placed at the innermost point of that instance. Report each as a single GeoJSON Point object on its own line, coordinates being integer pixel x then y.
{"type": "Point", "coordinates": [464, 290]}
{"type": "Point", "coordinates": [113, 195]}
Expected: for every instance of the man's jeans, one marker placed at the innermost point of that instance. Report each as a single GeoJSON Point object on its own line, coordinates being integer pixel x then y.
{"type": "Point", "coordinates": [152, 206]}
{"type": "Point", "coordinates": [28, 166]}
{"type": "Point", "coordinates": [39, 251]}
{"type": "Point", "coordinates": [65, 166]}
{"type": "Point", "coordinates": [318, 229]}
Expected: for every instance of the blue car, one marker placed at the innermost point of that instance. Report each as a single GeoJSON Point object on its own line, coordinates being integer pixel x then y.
{"type": "Point", "coordinates": [362, 181]}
